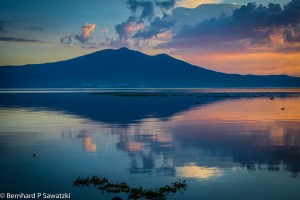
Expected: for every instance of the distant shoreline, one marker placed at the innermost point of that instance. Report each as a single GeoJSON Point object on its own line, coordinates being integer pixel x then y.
{"type": "Point", "coordinates": [167, 92]}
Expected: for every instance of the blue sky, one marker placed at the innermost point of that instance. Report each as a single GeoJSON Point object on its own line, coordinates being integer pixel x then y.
{"type": "Point", "coordinates": [38, 31]}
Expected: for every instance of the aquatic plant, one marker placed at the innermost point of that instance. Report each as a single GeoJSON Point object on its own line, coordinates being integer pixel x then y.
{"type": "Point", "coordinates": [132, 193]}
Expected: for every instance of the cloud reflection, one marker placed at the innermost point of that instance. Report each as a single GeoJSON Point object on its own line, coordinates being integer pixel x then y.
{"type": "Point", "coordinates": [198, 172]}
{"type": "Point", "coordinates": [218, 134]}
{"type": "Point", "coordinates": [88, 145]}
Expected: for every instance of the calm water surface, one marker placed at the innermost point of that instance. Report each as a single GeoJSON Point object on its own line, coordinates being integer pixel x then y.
{"type": "Point", "coordinates": [225, 148]}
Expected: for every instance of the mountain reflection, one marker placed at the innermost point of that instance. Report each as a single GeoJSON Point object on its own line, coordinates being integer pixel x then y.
{"type": "Point", "coordinates": [107, 109]}
{"type": "Point", "coordinates": [174, 136]}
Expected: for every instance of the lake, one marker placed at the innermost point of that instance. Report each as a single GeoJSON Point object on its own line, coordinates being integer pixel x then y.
{"type": "Point", "coordinates": [226, 143]}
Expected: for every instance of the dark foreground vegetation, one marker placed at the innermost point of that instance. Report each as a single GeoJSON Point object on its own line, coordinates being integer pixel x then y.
{"type": "Point", "coordinates": [104, 185]}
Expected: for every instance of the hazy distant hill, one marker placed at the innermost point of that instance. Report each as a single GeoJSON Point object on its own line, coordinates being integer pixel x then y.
{"type": "Point", "coordinates": [127, 68]}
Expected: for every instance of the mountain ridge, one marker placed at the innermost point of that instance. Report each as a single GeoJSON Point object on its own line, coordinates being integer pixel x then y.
{"type": "Point", "coordinates": [128, 68]}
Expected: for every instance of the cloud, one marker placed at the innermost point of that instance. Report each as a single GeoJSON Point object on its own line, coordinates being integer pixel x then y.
{"type": "Point", "coordinates": [292, 35]}
{"type": "Point", "coordinates": [193, 16]}
{"type": "Point", "coordinates": [147, 8]}
{"type": "Point", "coordinates": [161, 25]}
{"type": "Point", "coordinates": [68, 39]}
{"type": "Point", "coordinates": [165, 5]}
{"type": "Point", "coordinates": [156, 29]}
{"type": "Point", "coordinates": [2, 26]}
{"type": "Point", "coordinates": [83, 38]}
{"type": "Point", "coordinates": [87, 29]}
{"type": "Point", "coordinates": [126, 29]}
{"type": "Point", "coordinates": [14, 39]}
{"type": "Point", "coordinates": [35, 28]}
{"type": "Point", "coordinates": [164, 34]}
{"type": "Point", "coordinates": [143, 26]}
{"type": "Point", "coordinates": [179, 18]}
{"type": "Point", "coordinates": [195, 3]}
{"type": "Point", "coordinates": [250, 25]}
{"type": "Point", "coordinates": [10, 26]}
{"type": "Point", "coordinates": [263, 2]}
{"type": "Point", "coordinates": [253, 39]}
{"type": "Point", "coordinates": [116, 43]}
{"type": "Point", "coordinates": [134, 26]}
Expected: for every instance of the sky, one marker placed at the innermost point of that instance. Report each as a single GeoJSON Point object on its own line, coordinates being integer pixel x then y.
{"type": "Point", "coordinates": [231, 36]}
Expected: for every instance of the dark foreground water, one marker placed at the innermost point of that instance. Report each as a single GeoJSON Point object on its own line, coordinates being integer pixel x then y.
{"type": "Point", "coordinates": [225, 146]}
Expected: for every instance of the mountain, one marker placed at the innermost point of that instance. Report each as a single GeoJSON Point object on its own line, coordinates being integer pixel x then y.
{"type": "Point", "coordinates": [128, 68]}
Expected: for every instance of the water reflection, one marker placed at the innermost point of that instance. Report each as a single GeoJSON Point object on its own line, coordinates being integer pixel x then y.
{"type": "Point", "coordinates": [194, 171]}
{"type": "Point", "coordinates": [165, 136]}
{"type": "Point", "coordinates": [87, 143]}
{"type": "Point", "coordinates": [107, 109]}
{"type": "Point", "coordinates": [145, 151]}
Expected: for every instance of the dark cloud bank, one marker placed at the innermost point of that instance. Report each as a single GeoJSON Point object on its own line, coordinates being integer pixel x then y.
{"type": "Point", "coordinates": [257, 24]}
{"type": "Point", "coordinates": [14, 39]}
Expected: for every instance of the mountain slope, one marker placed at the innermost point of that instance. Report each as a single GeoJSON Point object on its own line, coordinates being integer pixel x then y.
{"type": "Point", "coordinates": [127, 68]}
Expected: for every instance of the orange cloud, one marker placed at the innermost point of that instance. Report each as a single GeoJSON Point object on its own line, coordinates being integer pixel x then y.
{"type": "Point", "coordinates": [87, 29]}
{"type": "Point", "coordinates": [83, 38]}
{"type": "Point", "coordinates": [131, 28]}
{"type": "Point", "coordinates": [164, 34]}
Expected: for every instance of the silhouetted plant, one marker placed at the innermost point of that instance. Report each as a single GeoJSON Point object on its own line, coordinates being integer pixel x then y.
{"type": "Point", "coordinates": [133, 193]}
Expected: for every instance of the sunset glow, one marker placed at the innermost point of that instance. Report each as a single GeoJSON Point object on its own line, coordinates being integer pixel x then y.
{"type": "Point", "coordinates": [221, 35]}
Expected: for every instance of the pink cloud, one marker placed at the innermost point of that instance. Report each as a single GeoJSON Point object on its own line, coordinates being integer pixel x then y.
{"type": "Point", "coordinates": [86, 29]}
{"type": "Point", "coordinates": [83, 38]}
{"type": "Point", "coordinates": [131, 28]}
